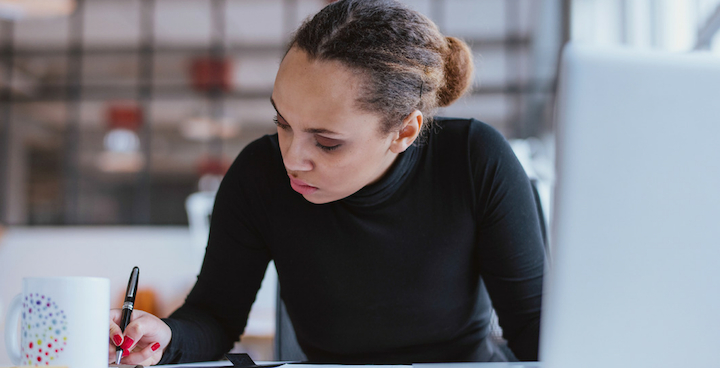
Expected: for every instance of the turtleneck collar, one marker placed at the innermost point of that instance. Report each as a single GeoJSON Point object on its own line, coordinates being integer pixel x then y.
{"type": "Point", "coordinates": [380, 191]}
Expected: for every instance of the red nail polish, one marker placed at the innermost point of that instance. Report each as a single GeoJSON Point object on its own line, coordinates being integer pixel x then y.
{"type": "Point", "coordinates": [125, 352]}
{"type": "Point", "coordinates": [127, 343]}
{"type": "Point", "coordinates": [155, 346]}
{"type": "Point", "coordinates": [117, 339]}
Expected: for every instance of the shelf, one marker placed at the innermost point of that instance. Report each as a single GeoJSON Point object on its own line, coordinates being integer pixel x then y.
{"type": "Point", "coordinates": [270, 50]}
{"type": "Point", "coordinates": [181, 91]}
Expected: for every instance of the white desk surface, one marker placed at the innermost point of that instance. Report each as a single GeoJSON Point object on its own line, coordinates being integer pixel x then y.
{"type": "Point", "coordinates": [226, 363]}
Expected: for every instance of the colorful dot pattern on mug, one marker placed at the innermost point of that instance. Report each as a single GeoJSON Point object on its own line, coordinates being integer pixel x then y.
{"type": "Point", "coordinates": [45, 333]}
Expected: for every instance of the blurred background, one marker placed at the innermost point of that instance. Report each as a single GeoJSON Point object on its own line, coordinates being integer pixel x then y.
{"type": "Point", "coordinates": [114, 112]}
{"type": "Point", "coordinates": [125, 114]}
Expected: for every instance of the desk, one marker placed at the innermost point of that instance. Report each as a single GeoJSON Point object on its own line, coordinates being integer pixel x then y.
{"type": "Point", "coordinates": [225, 363]}
{"type": "Point", "coordinates": [481, 365]}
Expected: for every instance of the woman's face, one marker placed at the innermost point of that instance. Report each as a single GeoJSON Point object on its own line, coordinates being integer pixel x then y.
{"type": "Point", "coordinates": [330, 148]}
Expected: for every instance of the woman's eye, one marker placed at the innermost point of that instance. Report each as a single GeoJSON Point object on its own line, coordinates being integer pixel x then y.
{"type": "Point", "coordinates": [280, 124]}
{"type": "Point", "coordinates": [326, 144]}
{"type": "Point", "coordinates": [327, 148]}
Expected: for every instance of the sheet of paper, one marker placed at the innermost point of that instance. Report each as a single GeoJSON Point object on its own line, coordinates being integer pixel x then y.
{"type": "Point", "coordinates": [301, 365]}
{"type": "Point", "coordinates": [221, 363]}
{"type": "Point", "coordinates": [480, 365]}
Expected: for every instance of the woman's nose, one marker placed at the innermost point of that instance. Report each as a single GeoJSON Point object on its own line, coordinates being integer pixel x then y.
{"type": "Point", "coordinates": [296, 157]}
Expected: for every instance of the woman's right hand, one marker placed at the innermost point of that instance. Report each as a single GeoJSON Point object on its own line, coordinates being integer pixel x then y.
{"type": "Point", "coordinates": [144, 340]}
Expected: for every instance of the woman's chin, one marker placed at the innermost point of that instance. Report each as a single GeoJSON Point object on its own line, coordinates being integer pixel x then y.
{"type": "Point", "coordinates": [319, 197]}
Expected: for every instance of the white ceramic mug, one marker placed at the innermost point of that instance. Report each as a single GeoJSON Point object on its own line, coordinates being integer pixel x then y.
{"type": "Point", "coordinates": [63, 321]}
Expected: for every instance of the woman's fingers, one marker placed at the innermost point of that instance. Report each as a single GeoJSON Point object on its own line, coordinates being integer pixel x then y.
{"type": "Point", "coordinates": [115, 316]}
{"type": "Point", "coordinates": [145, 357]}
{"type": "Point", "coordinates": [133, 332]}
{"type": "Point", "coordinates": [116, 334]}
{"type": "Point", "coordinates": [142, 339]}
{"type": "Point", "coordinates": [120, 338]}
{"type": "Point", "coordinates": [111, 354]}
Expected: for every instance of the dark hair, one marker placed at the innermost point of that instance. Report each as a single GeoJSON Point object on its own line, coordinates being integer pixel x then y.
{"type": "Point", "coordinates": [408, 64]}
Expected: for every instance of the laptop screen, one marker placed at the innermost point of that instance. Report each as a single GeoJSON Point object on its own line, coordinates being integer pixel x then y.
{"type": "Point", "coordinates": [635, 277]}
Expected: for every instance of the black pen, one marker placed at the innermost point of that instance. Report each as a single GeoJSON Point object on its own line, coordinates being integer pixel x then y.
{"type": "Point", "coordinates": [128, 307]}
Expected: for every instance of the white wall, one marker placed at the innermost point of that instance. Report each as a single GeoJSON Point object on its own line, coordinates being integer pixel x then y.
{"type": "Point", "coordinates": [168, 264]}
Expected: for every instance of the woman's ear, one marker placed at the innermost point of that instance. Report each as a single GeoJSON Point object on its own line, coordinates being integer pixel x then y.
{"type": "Point", "coordinates": [411, 128]}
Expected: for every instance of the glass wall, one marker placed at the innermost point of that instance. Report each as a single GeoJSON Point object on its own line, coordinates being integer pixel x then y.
{"type": "Point", "coordinates": [671, 25]}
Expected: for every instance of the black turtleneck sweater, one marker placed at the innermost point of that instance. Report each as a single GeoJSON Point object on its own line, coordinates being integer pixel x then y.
{"type": "Point", "coordinates": [402, 271]}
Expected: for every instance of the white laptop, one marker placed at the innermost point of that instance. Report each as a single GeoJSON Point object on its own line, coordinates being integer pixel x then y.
{"type": "Point", "coordinates": [635, 280]}
{"type": "Point", "coordinates": [635, 274]}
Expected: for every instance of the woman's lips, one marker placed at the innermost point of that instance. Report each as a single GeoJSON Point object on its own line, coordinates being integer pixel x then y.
{"type": "Point", "coordinates": [301, 186]}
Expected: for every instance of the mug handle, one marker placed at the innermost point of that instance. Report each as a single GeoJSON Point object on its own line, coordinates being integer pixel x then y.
{"type": "Point", "coordinates": [12, 343]}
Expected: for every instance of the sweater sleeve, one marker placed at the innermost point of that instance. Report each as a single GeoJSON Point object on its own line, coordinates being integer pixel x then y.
{"type": "Point", "coordinates": [215, 312]}
{"type": "Point", "coordinates": [511, 249]}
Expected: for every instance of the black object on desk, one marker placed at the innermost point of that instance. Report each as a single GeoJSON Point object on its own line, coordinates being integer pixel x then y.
{"type": "Point", "coordinates": [244, 361]}
{"type": "Point", "coordinates": [128, 307]}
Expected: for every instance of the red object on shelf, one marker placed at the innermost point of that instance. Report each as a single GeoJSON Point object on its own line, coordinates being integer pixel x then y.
{"type": "Point", "coordinates": [211, 73]}
{"type": "Point", "coordinates": [124, 116]}
{"type": "Point", "coordinates": [213, 166]}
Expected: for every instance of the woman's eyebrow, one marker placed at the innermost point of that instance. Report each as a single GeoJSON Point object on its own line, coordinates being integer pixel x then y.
{"type": "Point", "coordinates": [306, 130]}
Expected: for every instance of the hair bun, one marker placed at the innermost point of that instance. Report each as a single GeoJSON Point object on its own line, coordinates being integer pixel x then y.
{"type": "Point", "coordinates": [458, 71]}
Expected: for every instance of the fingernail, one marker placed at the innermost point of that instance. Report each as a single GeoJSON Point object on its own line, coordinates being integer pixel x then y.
{"type": "Point", "coordinates": [117, 339]}
{"type": "Point", "coordinates": [126, 352]}
{"type": "Point", "coordinates": [155, 346]}
{"type": "Point", "coordinates": [127, 343]}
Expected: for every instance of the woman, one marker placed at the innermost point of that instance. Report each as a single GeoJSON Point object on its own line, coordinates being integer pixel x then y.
{"type": "Point", "coordinates": [387, 234]}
